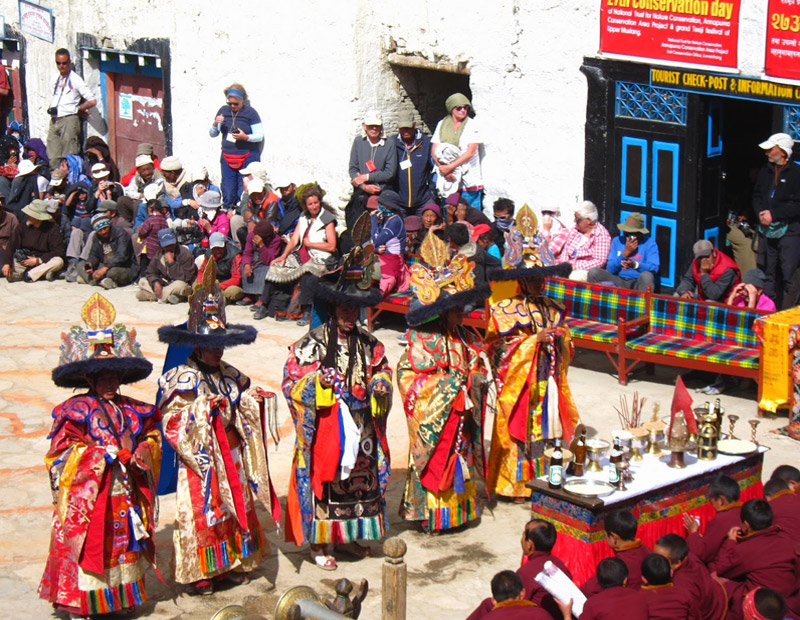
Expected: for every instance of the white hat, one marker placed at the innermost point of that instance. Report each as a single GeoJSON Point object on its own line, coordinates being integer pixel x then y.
{"type": "Point", "coordinates": [151, 191]}
{"type": "Point", "coordinates": [99, 171]}
{"type": "Point", "coordinates": [373, 117]}
{"type": "Point", "coordinates": [281, 178]}
{"type": "Point", "coordinates": [26, 166]}
{"type": "Point", "coordinates": [255, 168]}
{"type": "Point", "coordinates": [143, 160]}
{"type": "Point", "coordinates": [256, 186]}
{"type": "Point", "coordinates": [782, 140]}
{"type": "Point", "coordinates": [171, 164]}
{"type": "Point", "coordinates": [200, 175]}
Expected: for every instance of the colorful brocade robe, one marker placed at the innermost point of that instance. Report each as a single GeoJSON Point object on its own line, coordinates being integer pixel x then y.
{"type": "Point", "coordinates": [443, 385]}
{"type": "Point", "coordinates": [341, 454]}
{"type": "Point", "coordinates": [534, 401]}
{"type": "Point", "coordinates": [222, 469]}
{"type": "Point", "coordinates": [104, 519]}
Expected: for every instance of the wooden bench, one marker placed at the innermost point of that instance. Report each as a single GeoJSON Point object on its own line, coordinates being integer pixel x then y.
{"type": "Point", "coordinates": [596, 314]}
{"type": "Point", "coordinates": [693, 334]}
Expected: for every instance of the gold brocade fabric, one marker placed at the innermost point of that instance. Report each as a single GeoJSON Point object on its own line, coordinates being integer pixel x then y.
{"type": "Point", "coordinates": [775, 329]}
{"type": "Point", "coordinates": [522, 364]}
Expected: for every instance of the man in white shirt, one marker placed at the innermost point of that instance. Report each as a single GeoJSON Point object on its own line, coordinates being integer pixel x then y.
{"type": "Point", "coordinates": [66, 110]}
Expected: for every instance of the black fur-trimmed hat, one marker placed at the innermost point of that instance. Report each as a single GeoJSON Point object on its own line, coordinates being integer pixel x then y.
{"type": "Point", "coordinates": [101, 346]}
{"type": "Point", "coordinates": [207, 326]}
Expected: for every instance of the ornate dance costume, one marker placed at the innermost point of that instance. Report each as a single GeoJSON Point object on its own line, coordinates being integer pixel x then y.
{"type": "Point", "coordinates": [104, 462]}
{"type": "Point", "coordinates": [442, 384]}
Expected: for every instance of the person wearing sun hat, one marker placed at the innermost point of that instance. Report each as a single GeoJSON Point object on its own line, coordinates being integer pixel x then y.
{"type": "Point", "coordinates": [104, 460]}
{"type": "Point", "coordinates": [530, 344]}
{"type": "Point", "coordinates": [38, 250]}
{"type": "Point", "coordinates": [24, 187]}
{"type": "Point", "coordinates": [214, 421]}
{"type": "Point", "coordinates": [337, 377]}
{"type": "Point", "coordinates": [443, 385]}
{"type": "Point", "coordinates": [633, 261]}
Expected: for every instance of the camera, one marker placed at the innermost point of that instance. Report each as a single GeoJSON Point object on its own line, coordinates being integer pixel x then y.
{"type": "Point", "coordinates": [52, 111]}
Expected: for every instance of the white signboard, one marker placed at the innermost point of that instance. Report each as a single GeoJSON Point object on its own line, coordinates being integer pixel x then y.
{"type": "Point", "coordinates": [36, 20]}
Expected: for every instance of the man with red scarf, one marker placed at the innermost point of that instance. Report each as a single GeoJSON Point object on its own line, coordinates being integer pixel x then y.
{"type": "Point", "coordinates": [711, 276]}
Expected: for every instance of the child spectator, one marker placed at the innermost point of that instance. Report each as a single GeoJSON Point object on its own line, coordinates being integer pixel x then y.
{"type": "Point", "coordinates": [485, 237]}
{"type": "Point", "coordinates": [389, 240]}
{"type": "Point", "coordinates": [148, 234]}
{"type": "Point", "coordinates": [262, 246]}
{"type": "Point", "coordinates": [612, 577]}
{"type": "Point", "coordinates": [723, 495]}
{"type": "Point", "coordinates": [665, 601]}
{"type": "Point", "coordinates": [621, 527]}
{"type": "Point", "coordinates": [750, 292]}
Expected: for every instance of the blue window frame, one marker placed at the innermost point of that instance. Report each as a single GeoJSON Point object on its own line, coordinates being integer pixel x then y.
{"type": "Point", "coordinates": [714, 134]}
{"type": "Point", "coordinates": [633, 176]}
{"type": "Point", "coordinates": [665, 231]}
{"type": "Point", "coordinates": [712, 235]}
{"type": "Point", "coordinates": [665, 175]}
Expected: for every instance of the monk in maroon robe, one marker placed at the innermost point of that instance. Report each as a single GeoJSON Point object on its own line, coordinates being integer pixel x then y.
{"type": "Point", "coordinates": [612, 576]}
{"type": "Point", "coordinates": [690, 574]}
{"type": "Point", "coordinates": [723, 495]}
{"type": "Point", "coordinates": [508, 595]}
{"type": "Point", "coordinates": [538, 541]}
{"type": "Point", "coordinates": [620, 527]}
{"type": "Point", "coordinates": [756, 554]}
{"type": "Point", "coordinates": [785, 507]}
{"type": "Point", "coordinates": [664, 600]}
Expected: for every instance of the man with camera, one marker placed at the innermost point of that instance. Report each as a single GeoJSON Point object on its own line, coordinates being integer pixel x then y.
{"type": "Point", "coordinates": [70, 102]}
{"type": "Point", "coordinates": [633, 261]}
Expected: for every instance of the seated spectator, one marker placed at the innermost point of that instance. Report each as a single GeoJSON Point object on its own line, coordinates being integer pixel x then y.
{"type": "Point", "coordinates": [763, 604]}
{"type": "Point", "coordinates": [9, 227]}
{"type": "Point", "coordinates": [585, 246]}
{"type": "Point", "coordinates": [110, 263]}
{"type": "Point", "coordinates": [503, 211]}
{"type": "Point", "coordinates": [36, 151]}
{"type": "Point", "coordinates": [749, 293]}
{"type": "Point", "coordinates": [38, 249]}
{"type": "Point", "coordinates": [81, 244]}
{"type": "Point", "coordinates": [414, 178]}
{"type": "Point", "coordinates": [431, 221]}
{"type": "Point", "coordinates": [255, 206]}
{"type": "Point", "coordinates": [620, 527]}
{"type": "Point", "coordinates": [175, 177]}
{"type": "Point", "coordinates": [212, 218]}
{"type": "Point", "coordinates": [229, 264]}
{"type": "Point", "coordinates": [146, 173]}
{"type": "Point", "coordinates": [262, 246]}
{"type": "Point", "coordinates": [691, 575]}
{"type": "Point", "coordinates": [288, 205]}
{"type": "Point", "coordinates": [612, 577]}
{"type": "Point", "coordinates": [756, 554]}
{"type": "Point", "coordinates": [24, 188]}
{"type": "Point", "coordinates": [633, 260]}
{"type": "Point", "coordinates": [664, 601]}
{"type": "Point", "coordinates": [509, 600]}
{"type": "Point", "coordinates": [789, 474]}
{"type": "Point", "coordinates": [170, 273]}
{"type": "Point", "coordinates": [458, 237]}
{"type": "Point", "coordinates": [711, 276]}
{"type": "Point", "coordinates": [96, 151]}
{"type": "Point", "coordinates": [389, 240]}
{"type": "Point", "coordinates": [465, 213]}
{"type": "Point", "coordinates": [413, 225]}
{"type": "Point", "coordinates": [144, 149]}
{"type": "Point", "coordinates": [103, 188]}
{"type": "Point", "coordinates": [148, 234]}
{"type": "Point", "coordinates": [550, 225]}
{"type": "Point", "coordinates": [314, 238]}
{"type": "Point", "coordinates": [723, 495]}
{"type": "Point", "coordinates": [485, 237]}
{"type": "Point", "coordinates": [785, 506]}
{"type": "Point", "coordinates": [188, 206]}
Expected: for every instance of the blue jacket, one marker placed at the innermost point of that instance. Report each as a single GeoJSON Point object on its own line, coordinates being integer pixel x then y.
{"type": "Point", "coordinates": [414, 184]}
{"type": "Point", "coordinates": [646, 256]}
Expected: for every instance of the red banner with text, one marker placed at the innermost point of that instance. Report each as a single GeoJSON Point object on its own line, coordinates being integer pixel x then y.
{"type": "Point", "coordinates": [697, 32]}
{"type": "Point", "coordinates": [783, 39]}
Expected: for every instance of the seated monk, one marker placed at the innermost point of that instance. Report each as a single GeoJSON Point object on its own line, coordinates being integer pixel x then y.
{"type": "Point", "coordinates": [723, 495]}
{"type": "Point", "coordinates": [789, 474]}
{"type": "Point", "coordinates": [612, 577]}
{"type": "Point", "coordinates": [763, 604]}
{"type": "Point", "coordinates": [620, 527]}
{"type": "Point", "coordinates": [664, 600]}
{"type": "Point", "coordinates": [756, 554]}
{"type": "Point", "coordinates": [508, 595]}
{"type": "Point", "coordinates": [690, 574]}
{"type": "Point", "coordinates": [785, 507]}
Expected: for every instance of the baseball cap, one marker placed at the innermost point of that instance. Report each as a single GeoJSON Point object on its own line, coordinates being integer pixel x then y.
{"type": "Point", "coordinates": [254, 167]}
{"type": "Point", "coordinates": [405, 119]}
{"type": "Point", "coordinates": [373, 117]}
{"type": "Point", "coordinates": [171, 164]}
{"type": "Point", "coordinates": [256, 186]}
{"type": "Point", "coordinates": [217, 240]}
{"type": "Point", "coordinates": [782, 140]}
{"type": "Point", "coordinates": [107, 205]}
{"type": "Point", "coordinates": [702, 248]}
{"type": "Point", "coordinates": [166, 236]}
{"type": "Point", "coordinates": [99, 171]}
{"type": "Point", "coordinates": [755, 277]}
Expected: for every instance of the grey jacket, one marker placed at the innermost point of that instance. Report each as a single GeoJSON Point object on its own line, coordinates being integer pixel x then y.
{"type": "Point", "coordinates": [384, 156]}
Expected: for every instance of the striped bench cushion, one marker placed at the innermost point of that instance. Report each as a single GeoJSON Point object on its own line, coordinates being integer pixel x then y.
{"type": "Point", "coordinates": [683, 319]}
{"type": "Point", "coordinates": [404, 299]}
{"type": "Point", "coordinates": [699, 350]}
{"type": "Point", "coordinates": [596, 302]}
{"type": "Point", "coordinates": [592, 330]}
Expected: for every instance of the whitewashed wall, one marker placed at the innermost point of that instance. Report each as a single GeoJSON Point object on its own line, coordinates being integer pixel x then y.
{"type": "Point", "coordinates": [312, 67]}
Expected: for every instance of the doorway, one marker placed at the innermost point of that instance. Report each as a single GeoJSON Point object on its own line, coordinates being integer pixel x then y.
{"type": "Point", "coordinates": [428, 88]}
